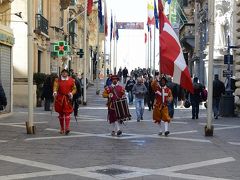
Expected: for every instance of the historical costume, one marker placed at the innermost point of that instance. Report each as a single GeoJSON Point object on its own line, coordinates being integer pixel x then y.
{"type": "Point", "coordinates": [163, 95]}
{"type": "Point", "coordinates": [63, 90]}
{"type": "Point", "coordinates": [113, 93]}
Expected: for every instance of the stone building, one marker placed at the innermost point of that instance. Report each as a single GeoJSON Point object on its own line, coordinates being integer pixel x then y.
{"type": "Point", "coordinates": [6, 45]}
{"type": "Point", "coordinates": [54, 21]}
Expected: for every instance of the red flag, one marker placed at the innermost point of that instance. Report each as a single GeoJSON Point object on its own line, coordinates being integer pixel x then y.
{"type": "Point", "coordinates": [105, 19]}
{"type": "Point", "coordinates": [145, 38]}
{"type": "Point", "coordinates": [171, 57]}
{"type": "Point", "coordinates": [89, 7]}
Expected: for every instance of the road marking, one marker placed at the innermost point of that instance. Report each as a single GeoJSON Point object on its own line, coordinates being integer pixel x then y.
{"type": "Point", "coordinates": [198, 164]}
{"type": "Point", "coordinates": [2, 141]}
{"type": "Point", "coordinates": [124, 136]}
{"type": "Point", "coordinates": [235, 143]}
{"type": "Point", "coordinates": [90, 172]}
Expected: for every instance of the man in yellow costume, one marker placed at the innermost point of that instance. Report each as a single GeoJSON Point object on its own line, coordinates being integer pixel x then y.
{"type": "Point", "coordinates": [163, 95]}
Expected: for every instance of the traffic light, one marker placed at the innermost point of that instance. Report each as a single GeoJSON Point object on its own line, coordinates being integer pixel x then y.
{"type": "Point", "coordinates": [61, 48]}
{"type": "Point", "coordinates": [80, 53]}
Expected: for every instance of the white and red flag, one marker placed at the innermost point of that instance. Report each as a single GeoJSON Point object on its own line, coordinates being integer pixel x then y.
{"type": "Point", "coordinates": [150, 8]}
{"type": "Point", "coordinates": [172, 61]}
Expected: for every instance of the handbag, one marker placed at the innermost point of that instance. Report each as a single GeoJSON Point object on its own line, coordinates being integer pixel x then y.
{"type": "Point", "coordinates": [187, 103]}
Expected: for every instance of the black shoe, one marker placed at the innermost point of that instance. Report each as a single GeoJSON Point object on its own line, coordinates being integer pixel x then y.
{"type": "Point", "coordinates": [119, 132]}
{"type": "Point", "coordinates": [141, 118]}
{"type": "Point", "coordinates": [67, 132]}
{"type": "Point", "coordinates": [215, 117]}
{"type": "Point", "coordinates": [166, 133]}
{"type": "Point", "coordinates": [196, 117]}
{"type": "Point", "coordinates": [113, 133]}
{"type": "Point", "coordinates": [193, 117]}
{"type": "Point", "coordinates": [160, 133]}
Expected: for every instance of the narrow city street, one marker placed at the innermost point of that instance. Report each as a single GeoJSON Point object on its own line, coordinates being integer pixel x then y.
{"type": "Point", "coordinates": [90, 152]}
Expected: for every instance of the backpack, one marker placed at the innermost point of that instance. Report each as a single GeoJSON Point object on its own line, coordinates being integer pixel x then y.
{"type": "Point", "coordinates": [204, 94]}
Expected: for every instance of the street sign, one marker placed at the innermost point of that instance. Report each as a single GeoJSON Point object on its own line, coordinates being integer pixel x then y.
{"type": "Point", "coordinates": [226, 59]}
{"type": "Point", "coordinates": [61, 48]}
{"type": "Point", "coordinates": [227, 73]}
{"type": "Point", "coordinates": [80, 53]}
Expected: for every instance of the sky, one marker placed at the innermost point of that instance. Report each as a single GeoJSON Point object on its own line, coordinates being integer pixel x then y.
{"type": "Point", "coordinates": [131, 49]}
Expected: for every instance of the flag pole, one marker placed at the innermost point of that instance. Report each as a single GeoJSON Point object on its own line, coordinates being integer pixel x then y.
{"type": "Point", "coordinates": [150, 49]}
{"type": "Point", "coordinates": [85, 56]}
{"type": "Point", "coordinates": [114, 40]}
{"type": "Point", "coordinates": [154, 46]}
{"type": "Point", "coordinates": [209, 127]}
{"type": "Point", "coordinates": [98, 61]}
{"type": "Point", "coordinates": [105, 18]}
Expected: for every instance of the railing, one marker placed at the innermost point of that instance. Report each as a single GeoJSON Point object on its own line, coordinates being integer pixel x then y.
{"type": "Point", "coordinates": [73, 2]}
{"type": "Point", "coordinates": [41, 24]}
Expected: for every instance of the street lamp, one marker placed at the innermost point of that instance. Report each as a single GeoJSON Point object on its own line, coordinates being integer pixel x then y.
{"type": "Point", "coordinates": [227, 108]}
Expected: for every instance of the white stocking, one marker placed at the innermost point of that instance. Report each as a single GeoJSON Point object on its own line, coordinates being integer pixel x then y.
{"type": "Point", "coordinates": [166, 126]}
{"type": "Point", "coordinates": [160, 127]}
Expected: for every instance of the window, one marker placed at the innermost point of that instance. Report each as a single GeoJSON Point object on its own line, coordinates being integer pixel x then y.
{"type": "Point", "coordinates": [40, 7]}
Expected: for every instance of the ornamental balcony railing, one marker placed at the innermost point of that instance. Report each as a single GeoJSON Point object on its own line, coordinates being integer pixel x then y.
{"type": "Point", "coordinates": [41, 24]}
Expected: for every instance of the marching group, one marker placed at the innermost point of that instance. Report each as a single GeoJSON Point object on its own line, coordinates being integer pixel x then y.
{"type": "Point", "coordinates": [159, 93]}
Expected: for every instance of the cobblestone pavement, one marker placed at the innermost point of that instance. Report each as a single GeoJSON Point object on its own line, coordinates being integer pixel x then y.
{"type": "Point", "coordinates": [89, 152]}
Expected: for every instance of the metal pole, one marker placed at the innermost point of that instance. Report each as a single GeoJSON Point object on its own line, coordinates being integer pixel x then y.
{"type": "Point", "coordinates": [228, 88]}
{"type": "Point", "coordinates": [105, 18]}
{"type": "Point", "coordinates": [209, 126]}
{"type": "Point", "coordinates": [114, 40]}
{"type": "Point", "coordinates": [85, 56]}
{"type": "Point", "coordinates": [98, 61]}
{"type": "Point", "coordinates": [29, 123]}
{"type": "Point", "coordinates": [154, 50]}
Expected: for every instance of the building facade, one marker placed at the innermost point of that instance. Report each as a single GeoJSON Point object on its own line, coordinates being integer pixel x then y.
{"type": "Point", "coordinates": [6, 44]}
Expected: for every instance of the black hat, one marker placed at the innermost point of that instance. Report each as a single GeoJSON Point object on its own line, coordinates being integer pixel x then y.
{"type": "Point", "coordinates": [64, 70]}
{"type": "Point", "coordinates": [156, 73]}
{"type": "Point", "coordinates": [163, 77]}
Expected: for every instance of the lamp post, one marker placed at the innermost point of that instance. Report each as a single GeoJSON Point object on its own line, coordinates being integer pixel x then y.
{"type": "Point", "coordinates": [29, 124]}
{"type": "Point", "coordinates": [209, 127]}
{"type": "Point", "coordinates": [227, 108]}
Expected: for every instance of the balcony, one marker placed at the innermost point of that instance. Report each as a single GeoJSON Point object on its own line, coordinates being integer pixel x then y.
{"type": "Point", "coordinates": [41, 25]}
{"type": "Point", "coordinates": [187, 35]}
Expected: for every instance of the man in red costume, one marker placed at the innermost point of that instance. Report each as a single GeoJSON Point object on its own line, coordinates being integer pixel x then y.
{"type": "Point", "coordinates": [114, 92]}
{"type": "Point", "coordinates": [63, 90]}
{"type": "Point", "coordinates": [163, 95]}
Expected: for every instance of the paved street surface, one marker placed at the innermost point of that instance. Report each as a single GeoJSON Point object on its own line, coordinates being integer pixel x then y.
{"type": "Point", "coordinates": [89, 152]}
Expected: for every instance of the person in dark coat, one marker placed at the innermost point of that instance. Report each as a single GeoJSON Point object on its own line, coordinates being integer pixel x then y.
{"type": "Point", "coordinates": [218, 91]}
{"type": "Point", "coordinates": [125, 75]}
{"type": "Point", "coordinates": [128, 88]}
{"type": "Point", "coordinates": [3, 99]}
{"type": "Point", "coordinates": [173, 87]}
{"type": "Point", "coordinates": [195, 98]}
{"type": "Point", "coordinates": [77, 96]}
{"type": "Point", "coordinates": [47, 94]}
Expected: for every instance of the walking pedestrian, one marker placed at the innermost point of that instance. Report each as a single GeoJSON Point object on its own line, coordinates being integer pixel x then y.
{"type": "Point", "coordinates": [47, 94]}
{"type": "Point", "coordinates": [163, 95]}
{"type": "Point", "coordinates": [195, 98]}
{"type": "Point", "coordinates": [77, 96]}
{"type": "Point", "coordinates": [218, 91]}
{"type": "Point", "coordinates": [63, 90]}
{"type": "Point", "coordinates": [3, 99]}
{"type": "Point", "coordinates": [125, 75]}
{"type": "Point", "coordinates": [139, 90]}
{"type": "Point", "coordinates": [113, 93]}
{"type": "Point", "coordinates": [128, 88]}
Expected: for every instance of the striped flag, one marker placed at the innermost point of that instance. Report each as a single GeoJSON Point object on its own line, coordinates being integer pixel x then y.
{"type": "Point", "coordinates": [105, 19]}
{"type": "Point", "coordinates": [100, 16]}
{"type": "Point", "coordinates": [111, 28]}
{"type": "Point", "coordinates": [156, 14]}
{"type": "Point", "coordinates": [150, 7]}
{"type": "Point", "coordinates": [89, 7]}
{"type": "Point", "coordinates": [171, 57]}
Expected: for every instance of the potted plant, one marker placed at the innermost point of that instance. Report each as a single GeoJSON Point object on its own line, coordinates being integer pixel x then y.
{"type": "Point", "coordinates": [39, 79]}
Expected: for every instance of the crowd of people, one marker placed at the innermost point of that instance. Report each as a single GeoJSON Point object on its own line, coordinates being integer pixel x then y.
{"type": "Point", "coordinates": [161, 95]}
{"type": "Point", "coordinates": [158, 93]}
